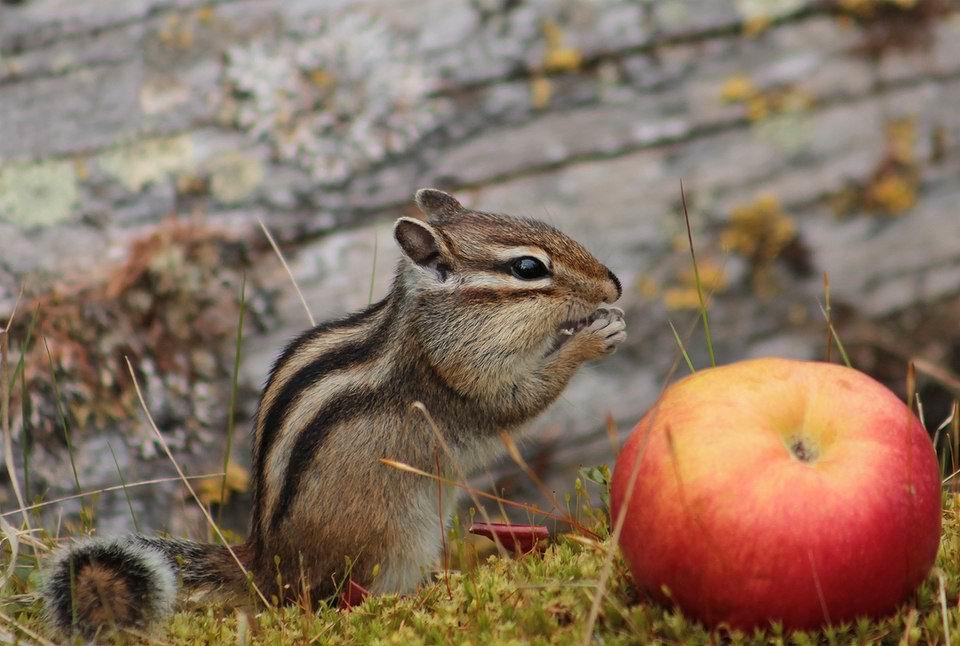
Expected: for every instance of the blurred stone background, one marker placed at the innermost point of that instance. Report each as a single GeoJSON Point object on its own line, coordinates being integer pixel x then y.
{"type": "Point", "coordinates": [141, 140]}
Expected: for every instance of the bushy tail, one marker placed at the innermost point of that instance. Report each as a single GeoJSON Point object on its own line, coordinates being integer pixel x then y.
{"type": "Point", "coordinates": [131, 581]}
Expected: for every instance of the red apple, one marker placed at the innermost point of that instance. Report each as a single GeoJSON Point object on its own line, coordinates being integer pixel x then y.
{"type": "Point", "coordinates": [779, 490]}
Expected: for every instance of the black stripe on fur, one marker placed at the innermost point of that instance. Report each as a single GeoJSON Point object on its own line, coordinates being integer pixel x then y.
{"type": "Point", "coordinates": [335, 359]}
{"type": "Point", "coordinates": [343, 407]}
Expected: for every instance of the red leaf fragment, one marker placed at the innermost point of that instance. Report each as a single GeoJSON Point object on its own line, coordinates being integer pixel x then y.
{"type": "Point", "coordinates": [517, 538]}
{"type": "Point", "coordinates": [353, 595]}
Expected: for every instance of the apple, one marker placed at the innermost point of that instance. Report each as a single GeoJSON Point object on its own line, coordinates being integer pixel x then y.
{"type": "Point", "coordinates": [778, 490]}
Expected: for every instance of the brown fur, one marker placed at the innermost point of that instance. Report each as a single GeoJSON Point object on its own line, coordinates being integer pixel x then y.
{"type": "Point", "coordinates": [102, 596]}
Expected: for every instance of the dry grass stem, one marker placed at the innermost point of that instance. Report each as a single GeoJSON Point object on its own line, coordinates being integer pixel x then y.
{"type": "Point", "coordinates": [26, 631]}
{"type": "Point", "coordinates": [283, 261]}
{"type": "Point", "coordinates": [5, 412]}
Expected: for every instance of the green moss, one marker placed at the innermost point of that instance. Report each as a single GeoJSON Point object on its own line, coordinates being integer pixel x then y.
{"type": "Point", "coordinates": [540, 599]}
{"type": "Point", "coordinates": [37, 194]}
{"type": "Point", "coordinates": [137, 164]}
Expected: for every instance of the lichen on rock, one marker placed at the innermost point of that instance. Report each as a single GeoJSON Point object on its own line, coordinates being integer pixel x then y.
{"type": "Point", "coordinates": [37, 194]}
{"type": "Point", "coordinates": [141, 163]}
{"type": "Point", "coordinates": [334, 97]}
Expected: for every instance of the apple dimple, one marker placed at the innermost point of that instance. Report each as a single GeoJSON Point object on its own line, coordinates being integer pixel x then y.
{"type": "Point", "coordinates": [803, 449]}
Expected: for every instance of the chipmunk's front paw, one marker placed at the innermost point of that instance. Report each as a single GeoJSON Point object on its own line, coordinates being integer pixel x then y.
{"type": "Point", "coordinates": [609, 328]}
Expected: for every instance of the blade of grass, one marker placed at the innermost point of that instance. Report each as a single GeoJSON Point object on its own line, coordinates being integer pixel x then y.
{"type": "Point", "coordinates": [283, 261]}
{"type": "Point", "coordinates": [232, 407]}
{"type": "Point", "coordinates": [28, 339]}
{"type": "Point", "coordinates": [836, 337]}
{"type": "Point", "coordinates": [826, 313]}
{"type": "Point", "coordinates": [61, 416]}
{"type": "Point", "coordinates": [911, 383]}
{"type": "Point", "coordinates": [683, 350]}
{"type": "Point", "coordinates": [696, 276]}
{"type": "Point", "coordinates": [186, 482]}
{"type": "Point", "coordinates": [373, 270]}
{"type": "Point", "coordinates": [123, 483]}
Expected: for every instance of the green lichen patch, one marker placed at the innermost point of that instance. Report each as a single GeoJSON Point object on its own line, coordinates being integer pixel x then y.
{"type": "Point", "coordinates": [234, 176]}
{"type": "Point", "coordinates": [37, 194]}
{"type": "Point", "coordinates": [141, 163]}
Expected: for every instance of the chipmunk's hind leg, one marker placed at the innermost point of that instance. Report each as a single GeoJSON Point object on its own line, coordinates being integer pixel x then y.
{"type": "Point", "coordinates": [101, 584]}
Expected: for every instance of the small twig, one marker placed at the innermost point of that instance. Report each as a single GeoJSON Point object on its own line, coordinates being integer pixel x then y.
{"type": "Point", "coordinates": [26, 631]}
{"type": "Point", "coordinates": [129, 485]}
{"type": "Point", "coordinates": [186, 482]}
{"type": "Point", "coordinates": [836, 337]}
{"type": "Point", "coordinates": [5, 415]}
{"type": "Point", "coordinates": [283, 261]}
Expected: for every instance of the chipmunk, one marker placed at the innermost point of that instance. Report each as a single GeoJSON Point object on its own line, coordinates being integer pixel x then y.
{"type": "Point", "coordinates": [488, 318]}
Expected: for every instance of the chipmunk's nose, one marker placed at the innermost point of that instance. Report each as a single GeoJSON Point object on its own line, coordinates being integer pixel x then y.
{"type": "Point", "coordinates": [612, 290]}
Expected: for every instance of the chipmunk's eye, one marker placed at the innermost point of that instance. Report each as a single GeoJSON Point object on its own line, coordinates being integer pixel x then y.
{"type": "Point", "coordinates": [528, 268]}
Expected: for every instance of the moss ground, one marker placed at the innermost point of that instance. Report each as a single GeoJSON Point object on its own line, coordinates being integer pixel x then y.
{"type": "Point", "coordinates": [537, 599]}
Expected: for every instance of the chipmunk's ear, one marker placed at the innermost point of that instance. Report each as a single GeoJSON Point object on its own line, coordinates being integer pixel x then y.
{"type": "Point", "coordinates": [419, 242]}
{"type": "Point", "coordinates": [436, 204]}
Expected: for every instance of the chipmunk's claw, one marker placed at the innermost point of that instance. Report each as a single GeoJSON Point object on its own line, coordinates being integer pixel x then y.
{"type": "Point", "coordinates": [610, 326]}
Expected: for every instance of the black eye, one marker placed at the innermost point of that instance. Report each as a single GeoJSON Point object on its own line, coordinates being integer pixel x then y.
{"type": "Point", "coordinates": [528, 268]}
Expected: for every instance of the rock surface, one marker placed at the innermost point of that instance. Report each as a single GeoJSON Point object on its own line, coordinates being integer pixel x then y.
{"type": "Point", "coordinates": [809, 137]}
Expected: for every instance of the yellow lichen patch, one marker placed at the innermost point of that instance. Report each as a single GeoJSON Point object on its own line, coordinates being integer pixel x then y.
{"type": "Point", "coordinates": [206, 14]}
{"type": "Point", "coordinates": [894, 183]}
{"type": "Point", "coordinates": [869, 7]}
{"type": "Point", "coordinates": [209, 489]}
{"type": "Point", "coordinates": [761, 104]}
{"type": "Point", "coordinates": [37, 194]}
{"type": "Point", "coordinates": [759, 230]}
{"type": "Point", "coordinates": [647, 287]}
{"type": "Point", "coordinates": [901, 138]}
{"type": "Point", "coordinates": [892, 193]}
{"type": "Point", "coordinates": [738, 88]}
{"type": "Point", "coordinates": [320, 78]}
{"type": "Point", "coordinates": [176, 33]}
{"type": "Point", "coordinates": [558, 57]}
{"type": "Point", "coordinates": [686, 296]}
{"type": "Point", "coordinates": [681, 298]}
{"type": "Point", "coordinates": [144, 162]}
{"type": "Point", "coordinates": [541, 91]}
